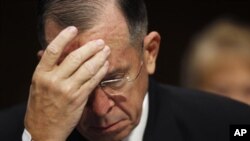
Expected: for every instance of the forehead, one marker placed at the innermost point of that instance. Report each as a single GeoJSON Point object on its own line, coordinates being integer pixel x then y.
{"type": "Point", "coordinates": [111, 27]}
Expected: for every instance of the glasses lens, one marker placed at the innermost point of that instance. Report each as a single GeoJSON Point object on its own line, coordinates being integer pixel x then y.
{"type": "Point", "coordinates": [115, 87]}
{"type": "Point", "coordinates": [119, 86]}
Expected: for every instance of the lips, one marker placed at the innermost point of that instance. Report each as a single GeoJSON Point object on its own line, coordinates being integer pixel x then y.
{"type": "Point", "coordinates": [111, 128]}
{"type": "Point", "coordinates": [106, 127]}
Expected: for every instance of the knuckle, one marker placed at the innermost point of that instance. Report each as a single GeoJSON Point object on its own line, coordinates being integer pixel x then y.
{"type": "Point", "coordinates": [68, 92]}
{"type": "Point", "coordinates": [53, 80]}
{"type": "Point", "coordinates": [89, 68]}
{"type": "Point", "coordinates": [67, 89]}
{"type": "Point", "coordinates": [41, 68]}
{"type": "Point", "coordinates": [75, 58]}
{"type": "Point", "coordinates": [38, 78]}
{"type": "Point", "coordinates": [41, 81]}
{"type": "Point", "coordinates": [50, 86]}
{"type": "Point", "coordinates": [52, 49]}
{"type": "Point", "coordinates": [49, 83]}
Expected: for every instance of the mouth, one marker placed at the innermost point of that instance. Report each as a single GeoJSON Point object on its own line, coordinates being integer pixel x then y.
{"type": "Point", "coordinates": [111, 128]}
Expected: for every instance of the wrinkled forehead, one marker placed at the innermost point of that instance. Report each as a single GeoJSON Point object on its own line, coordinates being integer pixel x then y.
{"type": "Point", "coordinates": [111, 27]}
{"type": "Point", "coordinates": [115, 35]}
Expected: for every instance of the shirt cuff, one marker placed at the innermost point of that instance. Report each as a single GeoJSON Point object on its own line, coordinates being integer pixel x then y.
{"type": "Point", "coordinates": [26, 136]}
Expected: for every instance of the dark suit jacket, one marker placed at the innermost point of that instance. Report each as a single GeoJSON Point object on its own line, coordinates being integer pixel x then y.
{"type": "Point", "coordinates": [174, 115]}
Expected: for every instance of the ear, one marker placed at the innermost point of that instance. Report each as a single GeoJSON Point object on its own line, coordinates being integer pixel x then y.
{"type": "Point", "coordinates": [151, 49]}
{"type": "Point", "coordinates": [40, 54]}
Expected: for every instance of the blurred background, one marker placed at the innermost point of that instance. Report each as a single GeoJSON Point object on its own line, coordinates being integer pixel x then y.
{"type": "Point", "coordinates": [176, 21]}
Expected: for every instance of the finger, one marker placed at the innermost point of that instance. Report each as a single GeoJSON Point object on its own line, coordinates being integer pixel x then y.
{"type": "Point", "coordinates": [55, 48]}
{"type": "Point", "coordinates": [90, 85]}
{"type": "Point", "coordinates": [76, 58]}
{"type": "Point", "coordinates": [89, 69]}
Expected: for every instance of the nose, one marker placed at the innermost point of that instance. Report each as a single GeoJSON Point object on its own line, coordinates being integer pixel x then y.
{"type": "Point", "coordinates": [99, 102]}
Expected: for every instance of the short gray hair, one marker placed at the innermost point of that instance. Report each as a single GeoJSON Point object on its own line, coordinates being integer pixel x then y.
{"type": "Point", "coordinates": [83, 15]}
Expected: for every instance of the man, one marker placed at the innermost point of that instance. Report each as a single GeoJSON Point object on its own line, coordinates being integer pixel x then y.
{"type": "Point", "coordinates": [92, 81]}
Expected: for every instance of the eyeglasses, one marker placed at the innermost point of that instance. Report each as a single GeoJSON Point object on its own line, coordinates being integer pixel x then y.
{"type": "Point", "coordinates": [118, 85]}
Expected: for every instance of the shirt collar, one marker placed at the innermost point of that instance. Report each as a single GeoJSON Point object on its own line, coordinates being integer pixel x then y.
{"type": "Point", "coordinates": [138, 132]}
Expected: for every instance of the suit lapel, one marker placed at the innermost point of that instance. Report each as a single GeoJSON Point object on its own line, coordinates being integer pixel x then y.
{"type": "Point", "coordinates": [161, 124]}
{"type": "Point", "coordinates": [148, 133]}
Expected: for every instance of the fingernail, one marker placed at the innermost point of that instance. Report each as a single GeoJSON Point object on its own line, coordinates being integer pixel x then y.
{"type": "Point", "coordinates": [99, 42]}
{"type": "Point", "coordinates": [72, 29]}
{"type": "Point", "coordinates": [106, 50]}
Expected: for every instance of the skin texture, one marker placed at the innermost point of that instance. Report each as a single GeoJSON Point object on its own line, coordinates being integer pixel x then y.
{"type": "Point", "coordinates": [64, 93]}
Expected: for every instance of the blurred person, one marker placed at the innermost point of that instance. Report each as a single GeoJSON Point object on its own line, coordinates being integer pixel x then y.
{"type": "Point", "coordinates": [92, 82]}
{"type": "Point", "coordinates": [219, 61]}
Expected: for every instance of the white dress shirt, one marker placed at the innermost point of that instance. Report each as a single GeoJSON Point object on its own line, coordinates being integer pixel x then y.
{"type": "Point", "coordinates": [135, 135]}
{"type": "Point", "coordinates": [138, 132]}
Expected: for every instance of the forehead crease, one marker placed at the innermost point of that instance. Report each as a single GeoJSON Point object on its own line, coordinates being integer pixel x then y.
{"type": "Point", "coordinates": [117, 59]}
{"type": "Point", "coordinates": [109, 31]}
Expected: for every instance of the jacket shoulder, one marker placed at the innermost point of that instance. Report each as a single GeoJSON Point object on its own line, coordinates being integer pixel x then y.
{"type": "Point", "coordinates": [182, 114]}
{"type": "Point", "coordinates": [201, 103]}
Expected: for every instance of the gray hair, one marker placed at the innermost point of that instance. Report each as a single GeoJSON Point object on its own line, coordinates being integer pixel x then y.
{"type": "Point", "coordinates": [84, 14]}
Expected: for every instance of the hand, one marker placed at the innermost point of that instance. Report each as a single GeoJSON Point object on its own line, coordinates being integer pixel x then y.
{"type": "Point", "coordinates": [59, 92]}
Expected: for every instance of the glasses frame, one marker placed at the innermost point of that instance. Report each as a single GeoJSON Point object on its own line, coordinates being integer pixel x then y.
{"type": "Point", "coordinates": [104, 83]}
{"type": "Point", "coordinates": [128, 79]}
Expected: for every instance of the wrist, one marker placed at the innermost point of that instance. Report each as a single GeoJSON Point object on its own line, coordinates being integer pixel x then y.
{"type": "Point", "coordinates": [27, 136]}
{"type": "Point", "coordinates": [36, 133]}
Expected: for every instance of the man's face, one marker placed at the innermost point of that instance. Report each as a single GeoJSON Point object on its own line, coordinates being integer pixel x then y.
{"type": "Point", "coordinates": [110, 117]}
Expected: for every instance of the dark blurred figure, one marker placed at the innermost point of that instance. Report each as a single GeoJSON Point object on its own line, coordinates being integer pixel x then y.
{"type": "Point", "coordinates": [219, 61]}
